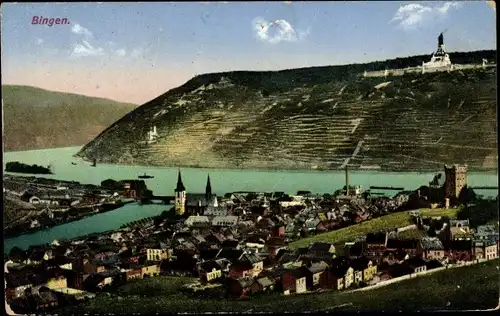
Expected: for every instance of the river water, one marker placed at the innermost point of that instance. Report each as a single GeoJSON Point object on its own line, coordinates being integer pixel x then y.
{"type": "Point", "coordinates": [194, 179]}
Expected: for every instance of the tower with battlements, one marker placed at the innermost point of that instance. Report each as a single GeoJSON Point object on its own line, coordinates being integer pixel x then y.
{"type": "Point", "coordinates": [456, 180]}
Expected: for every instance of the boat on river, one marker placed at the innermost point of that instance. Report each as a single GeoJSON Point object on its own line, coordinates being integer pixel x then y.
{"type": "Point", "coordinates": [145, 176]}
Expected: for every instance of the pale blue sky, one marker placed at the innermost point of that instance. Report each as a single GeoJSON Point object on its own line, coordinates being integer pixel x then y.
{"type": "Point", "coordinates": [135, 51]}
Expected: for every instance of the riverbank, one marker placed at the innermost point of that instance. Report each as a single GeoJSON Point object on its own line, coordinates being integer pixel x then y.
{"type": "Point", "coordinates": [281, 167]}
{"type": "Point", "coordinates": [20, 230]}
{"type": "Point", "coordinates": [97, 224]}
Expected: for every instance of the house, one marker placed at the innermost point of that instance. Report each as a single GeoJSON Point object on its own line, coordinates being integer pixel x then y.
{"type": "Point", "coordinates": [273, 245]}
{"type": "Point", "coordinates": [399, 269]}
{"type": "Point", "coordinates": [294, 281]}
{"type": "Point", "coordinates": [56, 280]}
{"type": "Point", "coordinates": [290, 260]}
{"type": "Point", "coordinates": [486, 232]}
{"type": "Point", "coordinates": [132, 272]}
{"type": "Point", "coordinates": [74, 279]}
{"type": "Point", "coordinates": [154, 254]}
{"type": "Point", "coordinates": [417, 264]}
{"type": "Point", "coordinates": [485, 249]}
{"type": "Point", "coordinates": [375, 245]}
{"type": "Point", "coordinates": [150, 269]}
{"type": "Point", "coordinates": [266, 284]}
{"type": "Point", "coordinates": [209, 271]}
{"type": "Point", "coordinates": [461, 250]}
{"type": "Point", "coordinates": [348, 277]}
{"type": "Point", "coordinates": [256, 262]}
{"type": "Point", "coordinates": [241, 270]}
{"type": "Point", "coordinates": [96, 281]}
{"type": "Point", "coordinates": [315, 273]}
{"type": "Point", "coordinates": [230, 254]}
{"type": "Point", "coordinates": [314, 224]}
{"type": "Point", "coordinates": [354, 250]}
{"type": "Point", "coordinates": [394, 256]}
{"type": "Point", "coordinates": [460, 229]}
{"type": "Point", "coordinates": [44, 299]}
{"type": "Point", "coordinates": [278, 231]}
{"type": "Point", "coordinates": [431, 248]}
{"type": "Point", "coordinates": [343, 273]}
{"type": "Point", "coordinates": [18, 283]}
{"type": "Point", "coordinates": [322, 249]}
{"type": "Point", "coordinates": [30, 198]}
{"type": "Point", "coordinates": [407, 245]}
{"type": "Point", "coordinates": [58, 262]}
{"type": "Point", "coordinates": [364, 269]}
{"type": "Point", "coordinates": [219, 210]}
{"type": "Point", "coordinates": [225, 221]}
{"type": "Point", "coordinates": [197, 220]}
{"type": "Point", "coordinates": [93, 266]}
{"type": "Point", "coordinates": [243, 287]}
{"type": "Point", "coordinates": [433, 264]}
{"type": "Point", "coordinates": [334, 279]}
{"type": "Point", "coordinates": [36, 256]}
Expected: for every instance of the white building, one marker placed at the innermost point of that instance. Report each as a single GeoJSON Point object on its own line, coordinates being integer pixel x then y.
{"type": "Point", "coordinates": [152, 134]}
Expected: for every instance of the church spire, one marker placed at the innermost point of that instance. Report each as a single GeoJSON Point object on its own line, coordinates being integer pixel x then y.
{"type": "Point", "coordinates": [180, 186]}
{"type": "Point", "coordinates": [208, 189]}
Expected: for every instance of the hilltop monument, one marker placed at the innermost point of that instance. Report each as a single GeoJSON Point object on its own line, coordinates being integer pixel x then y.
{"type": "Point", "coordinates": [440, 60]}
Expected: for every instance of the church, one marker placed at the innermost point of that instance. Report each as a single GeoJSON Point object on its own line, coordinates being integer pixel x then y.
{"type": "Point", "coordinates": [194, 204]}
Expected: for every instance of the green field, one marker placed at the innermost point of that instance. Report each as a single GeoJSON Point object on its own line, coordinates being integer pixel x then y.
{"type": "Point", "coordinates": [473, 287]}
{"type": "Point", "coordinates": [394, 220]}
{"type": "Point", "coordinates": [450, 212]}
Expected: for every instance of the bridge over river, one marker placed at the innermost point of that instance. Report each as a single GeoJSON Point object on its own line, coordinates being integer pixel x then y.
{"type": "Point", "coordinates": [154, 199]}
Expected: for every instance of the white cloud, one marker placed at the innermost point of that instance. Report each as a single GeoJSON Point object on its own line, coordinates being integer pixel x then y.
{"type": "Point", "coordinates": [447, 6]}
{"type": "Point", "coordinates": [412, 15]}
{"type": "Point", "coordinates": [121, 52]}
{"type": "Point", "coordinates": [138, 52]}
{"type": "Point", "coordinates": [276, 31]}
{"type": "Point", "coordinates": [78, 29]}
{"type": "Point", "coordinates": [40, 41]}
{"type": "Point", "coordinates": [85, 49]}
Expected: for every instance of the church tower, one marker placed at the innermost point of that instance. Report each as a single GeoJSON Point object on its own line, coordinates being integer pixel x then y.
{"type": "Point", "coordinates": [208, 190]}
{"type": "Point", "coordinates": [180, 196]}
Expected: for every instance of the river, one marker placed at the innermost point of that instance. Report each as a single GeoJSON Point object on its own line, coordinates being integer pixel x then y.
{"type": "Point", "coordinates": [194, 179]}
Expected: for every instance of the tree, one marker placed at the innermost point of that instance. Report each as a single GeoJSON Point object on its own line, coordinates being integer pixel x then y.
{"type": "Point", "coordinates": [17, 254]}
{"type": "Point", "coordinates": [467, 195]}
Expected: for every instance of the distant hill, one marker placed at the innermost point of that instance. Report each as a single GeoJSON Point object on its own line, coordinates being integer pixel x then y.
{"type": "Point", "coordinates": [316, 118]}
{"type": "Point", "coordinates": [35, 118]}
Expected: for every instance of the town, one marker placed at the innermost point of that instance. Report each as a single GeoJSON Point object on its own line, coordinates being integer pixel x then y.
{"type": "Point", "coordinates": [32, 203]}
{"type": "Point", "coordinates": [245, 244]}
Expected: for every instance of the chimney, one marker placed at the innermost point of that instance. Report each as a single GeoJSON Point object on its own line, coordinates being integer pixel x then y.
{"type": "Point", "coordinates": [347, 180]}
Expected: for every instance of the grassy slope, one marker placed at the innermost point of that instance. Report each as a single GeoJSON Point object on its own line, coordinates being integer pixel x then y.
{"type": "Point", "coordinates": [394, 220]}
{"type": "Point", "coordinates": [36, 118]}
{"type": "Point", "coordinates": [473, 287]}
{"type": "Point", "coordinates": [450, 212]}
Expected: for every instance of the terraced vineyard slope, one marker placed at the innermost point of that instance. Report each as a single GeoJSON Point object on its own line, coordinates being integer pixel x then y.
{"type": "Point", "coordinates": [312, 118]}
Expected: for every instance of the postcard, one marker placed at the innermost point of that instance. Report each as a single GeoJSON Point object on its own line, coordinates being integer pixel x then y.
{"type": "Point", "coordinates": [202, 157]}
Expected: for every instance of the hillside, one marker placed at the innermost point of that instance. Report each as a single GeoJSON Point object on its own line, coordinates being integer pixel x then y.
{"type": "Point", "coordinates": [35, 118]}
{"type": "Point", "coordinates": [464, 288]}
{"type": "Point", "coordinates": [320, 117]}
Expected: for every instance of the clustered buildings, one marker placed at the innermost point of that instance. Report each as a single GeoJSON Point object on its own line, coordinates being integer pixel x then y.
{"type": "Point", "coordinates": [238, 245]}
